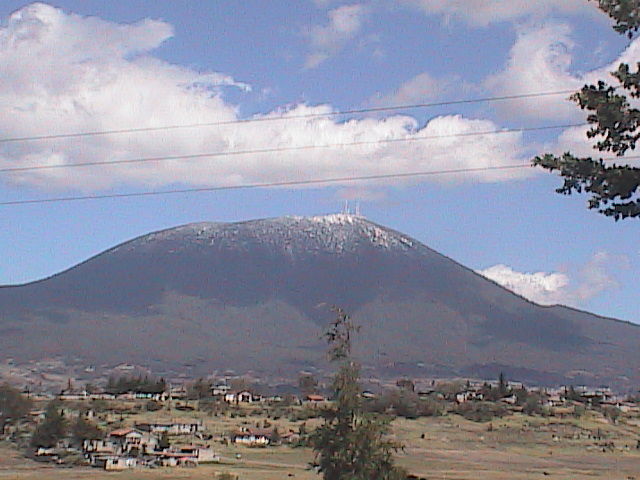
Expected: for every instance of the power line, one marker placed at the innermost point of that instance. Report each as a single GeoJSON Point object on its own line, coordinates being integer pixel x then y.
{"type": "Point", "coordinates": [285, 117]}
{"type": "Point", "coordinates": [248, 186]}
{"type": "Point", "coordinates": [286, 149]}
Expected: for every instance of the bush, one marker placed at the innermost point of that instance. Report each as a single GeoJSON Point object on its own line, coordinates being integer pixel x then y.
{"type": "Point", "coordinates": [153, 406]}
{"type": "Point", "coordinates": [579, 411]}
{"type": "Point", "coordinates": [406, 404]}
{"type": "Point", "coordinates": [304, 414]}
{"type": "Point", "coordinates": [226, 476]}
{"type": "Point", "coordinates": [612, 413]}
{"type": "Point", "coordinates": [532, 406]}
{"type": "Point", "coordinates": [481, 411]}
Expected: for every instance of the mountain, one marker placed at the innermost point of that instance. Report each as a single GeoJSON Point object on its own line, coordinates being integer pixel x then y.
{"type": "Point", "coordinates": [256, 296]}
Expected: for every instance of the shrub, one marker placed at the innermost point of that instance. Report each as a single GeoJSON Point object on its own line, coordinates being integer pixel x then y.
{"type": "Point", "coordinates": [153, 406]}
{"type": "Point", "coordinates": [481, 411]}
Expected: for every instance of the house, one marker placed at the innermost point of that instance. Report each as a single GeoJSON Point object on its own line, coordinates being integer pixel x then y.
{"type": "Point", "coordinates": [291, 437]}
{"type": "Point", "coordinates": [133, 440]}
{"type": "Point", "coordinates": [313, 398]}
{"type": "Point", "coordinates": [510, 400]}
{"type": "Point", "coordinates": [101, 447]}
{"type": "Point", "coordinates": [178, 392]}
{"type": "Point", "coordinates": [252, 437]}
{"type": "Point", "coordinates": [172, 428]}
{"type": "Point", "coordinates": [199, 453]}
{"type": "Point", "coordinates": [220, 390]}
{"type": "Point", "coordinates": [243, 396]}
{"type": "Point", "coordinates": [158, 397]}
{"type": "Point", "coordinates": [116, 462]}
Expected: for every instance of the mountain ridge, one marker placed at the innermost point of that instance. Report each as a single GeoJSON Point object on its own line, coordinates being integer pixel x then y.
{"type": "Point", "coordinates": [201, 283]}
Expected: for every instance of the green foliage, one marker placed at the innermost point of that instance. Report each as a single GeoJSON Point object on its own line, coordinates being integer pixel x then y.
{"type": "Point", "coordinates": [624, 13]}
{"type": "Point", "coordinates": [406, 404]}
{"type": "Point", "coordinates": [613, 189]}
{"type": "Point", "coordinates": [503, 388]}
{"type": "Point", "coordinates": [481, 411]}
{"type": "Point", "coordinates": [163, 442]}
{"type": "Point", "coordinates": [153, 406]}
{"type": "Point", "coordinates": [307, 384]}
{"type": "Point", "coordinates": [199, 389]}
{"type": "Point", "coordinates": [13, 405]}
{"type": "Point", "coordinates": [579, 411]}
{"type": "Point", "coordinates": [533, 406]}
{"type": "Point", "coordinates": [351, 444]}
{"type": "Point", "coordinates": [82, 429]}
{"type": "Point", "coordinates": [52, 429]}
{"type": "Point", "coordinates": [612, 413]}
{"type": "Point", "coordinates": [140, 384]}
{"type": "Point", "coordinates": [226, 476]}
{"type": "Point", "coordinates": [572, 395]}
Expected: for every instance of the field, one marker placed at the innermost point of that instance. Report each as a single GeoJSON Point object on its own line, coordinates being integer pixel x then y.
{"type": "Point", "coordinates": [449, 447]}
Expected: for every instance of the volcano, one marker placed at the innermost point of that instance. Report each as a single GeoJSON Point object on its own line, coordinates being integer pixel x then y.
{"type": "Point", "coordinates": [256, 296]}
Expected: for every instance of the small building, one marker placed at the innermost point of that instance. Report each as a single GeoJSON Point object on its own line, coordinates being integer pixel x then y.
{"type": "Point", "coordinates": [220, 390]}
{"type": "Point", "coordinates": [243, 396]}
{"type": "Point", "coordinates": [199, 453]}
{"type": "Point", "coordinates": [314, 398]}
{"type": "Point", "coordinates": [133, 440]}
{"type": "Point", "coordinates": [172, 428]}
{"type": "Point", "coordinates": [252, 437]}
{"type": "Point", "coordinates": [116, 463]}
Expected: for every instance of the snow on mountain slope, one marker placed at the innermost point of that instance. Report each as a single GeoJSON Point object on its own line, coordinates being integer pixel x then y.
{"type": "Point", "coordinates": [338, 233]}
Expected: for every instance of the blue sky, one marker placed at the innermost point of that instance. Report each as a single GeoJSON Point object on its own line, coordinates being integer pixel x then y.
{"type": "Point", "coordinates": [73, 66]}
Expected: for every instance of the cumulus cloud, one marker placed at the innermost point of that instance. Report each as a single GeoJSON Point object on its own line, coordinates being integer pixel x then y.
{"type": "Point", "coordinates": [421, 88]}
{"type": "Point", "coordinates": [552, 288]}
{"type": "Point", "coordinates": [67, 73]}
{"type": "Point", "coordinates": [540, 61]}
{"type": "Point", "coordinates": [345, 22]}
{"type": "Point", "coordinates": [486, 12]}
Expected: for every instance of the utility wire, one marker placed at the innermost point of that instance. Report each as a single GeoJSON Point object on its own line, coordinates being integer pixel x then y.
{"type": "Point", "coordinates": [286, 183]}
{"type": "Point", "coordinates": [248, 186]}
{"type": "Point", "coordinates": [285, 117]}
{"type": "Point", "coordinates": [285, 149]}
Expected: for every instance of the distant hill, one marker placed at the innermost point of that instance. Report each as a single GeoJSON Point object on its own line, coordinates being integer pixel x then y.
{"type": "Point", "coordinates": [255, 296]}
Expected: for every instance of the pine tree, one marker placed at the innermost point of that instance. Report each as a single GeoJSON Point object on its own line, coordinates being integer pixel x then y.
{"type": "Point", "coordinates": [351, 444]}
{"type": "Point", "coordinates": [614, 189]}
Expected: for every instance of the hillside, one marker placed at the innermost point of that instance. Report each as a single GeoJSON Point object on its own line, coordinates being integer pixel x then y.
{"type": "Point", "coordinates": [255, 296]}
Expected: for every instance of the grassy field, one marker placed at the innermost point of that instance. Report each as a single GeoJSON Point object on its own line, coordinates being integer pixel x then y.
{"type": "Point", "coordinates": [450, 447]}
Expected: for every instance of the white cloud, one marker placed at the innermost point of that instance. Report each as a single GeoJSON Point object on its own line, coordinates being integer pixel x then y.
{"type": "Point", "coordinates": [540, 61]}
{"type": "Point", "coordinates": [485, 12]}
{"type": "Point", "coordinates": [421, 88]}
{"type": "Point", "coordinates": [345, 22]}
{"type": "Point", "coordinates": [61, 76]}
{"type": "Point", "coordinates": [556, 287]}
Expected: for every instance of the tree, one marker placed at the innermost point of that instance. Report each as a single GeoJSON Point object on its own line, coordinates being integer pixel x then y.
{"type": "Point", "coordinates": [199, 389]}
{"type": "Point", "coordinates": [13, 405]}
{"type": "Point", "coordinates": [307, 384]}
{"type": "Point", "coordinates": [613, 189]}
{"type": "Point", "coordinates": [164, 442]}
{"type": "Point", "coordinates": [52, 429]}
{"type": "Point", "coordinates": [351, 444]}
{"type": "Point", "coordinates": [503, 388]}
{"type": "Point", "coordinates": [82, 429]}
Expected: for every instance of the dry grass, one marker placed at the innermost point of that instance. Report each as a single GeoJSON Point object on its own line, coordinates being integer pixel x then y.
{"type": "Point", "coordinates": [514, 448]}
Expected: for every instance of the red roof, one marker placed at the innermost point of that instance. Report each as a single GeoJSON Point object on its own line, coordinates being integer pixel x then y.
{"type": "Point", "coordinates": [315, 398]}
